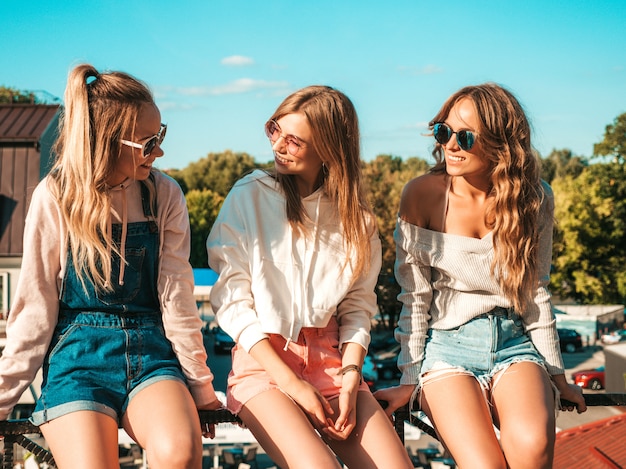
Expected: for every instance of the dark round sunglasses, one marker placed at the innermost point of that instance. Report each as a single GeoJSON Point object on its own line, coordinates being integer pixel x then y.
{"type": "Point", "coordinates": [443, 133]}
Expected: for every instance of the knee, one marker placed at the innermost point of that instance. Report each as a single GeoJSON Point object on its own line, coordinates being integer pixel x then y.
{"type": "Point", "coordinates": [175, 451]}
{"type": "Point", "coordinates": [536, 448]}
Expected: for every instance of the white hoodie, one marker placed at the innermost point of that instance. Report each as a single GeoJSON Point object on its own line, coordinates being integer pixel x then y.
{"type": "Point", "coordinates": [274, 280]}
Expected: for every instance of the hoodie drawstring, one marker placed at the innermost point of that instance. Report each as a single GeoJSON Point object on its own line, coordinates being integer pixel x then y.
{"type": "Point", "coordinates": [299, 304]}
{"type": "Point", "coordinates": [123, 240]}
{"type": "Point", "coordinates": [122, 248]}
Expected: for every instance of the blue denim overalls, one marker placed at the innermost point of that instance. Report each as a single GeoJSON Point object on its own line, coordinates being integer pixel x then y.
{"type": "Point", "coordinates": [107, 346]}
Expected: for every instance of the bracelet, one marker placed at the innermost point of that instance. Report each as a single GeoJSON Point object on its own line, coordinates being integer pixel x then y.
{"type": "Point", "coordinates": [349, 368]}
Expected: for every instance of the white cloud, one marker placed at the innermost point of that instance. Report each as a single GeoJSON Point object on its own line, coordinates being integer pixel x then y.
{"type": "Point", "coordinates": [194, 91]}
{"type": "Point", "coordinates": [162, 91]}
{"type": "Point", "coordinates": [237, 61]}
{"type": "Point", "coordinates": [240, 86]}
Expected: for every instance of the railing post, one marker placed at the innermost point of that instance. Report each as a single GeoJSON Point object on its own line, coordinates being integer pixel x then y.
{"type": "Point", "coordinates": [7, 456]}
{"type": "Point", "coordinates": [400, 415]}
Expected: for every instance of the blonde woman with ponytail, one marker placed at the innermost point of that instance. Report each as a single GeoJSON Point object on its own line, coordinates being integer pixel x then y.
{"type": "Point", "coordinates": [479, 344]}
{"type": "Point", "coordinates": [105, 297]}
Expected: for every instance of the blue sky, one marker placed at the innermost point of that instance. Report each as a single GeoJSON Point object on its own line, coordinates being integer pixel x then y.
{"type": "Point", "coordinates": [219, 68]}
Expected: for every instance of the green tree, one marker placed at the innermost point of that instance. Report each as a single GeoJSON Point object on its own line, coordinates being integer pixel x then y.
{"type": "Point", "coordinates": [385, 177]}
{"type": "Point", "coordinates": [589, 251]}
{"type": "Point", "coordinates": [203, 206]}
{"type": "Point", "coordinates": [561, 163]}
{"type": "Point", "coordinates": [614, 143]}
{"type": "Point", "coordinates": [14, 96]}
{"type": "Point", "coordinates": [177, 175]}
{"type": "Point", "coordinates": [216, 172]}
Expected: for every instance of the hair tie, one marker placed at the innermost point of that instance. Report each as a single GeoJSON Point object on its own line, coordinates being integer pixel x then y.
{"type": "Point", "coordinates": [91, 77]}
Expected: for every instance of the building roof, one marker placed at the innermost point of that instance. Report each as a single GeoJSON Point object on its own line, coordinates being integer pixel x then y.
{"type": "Point", "coordinates": [596, 444]}
{"type": "Point", "coordinates": [25, 122]}
{"type": "Point", "coordinates": [589, 311]}
{"type": "Point", "coordinates": [27, 135]}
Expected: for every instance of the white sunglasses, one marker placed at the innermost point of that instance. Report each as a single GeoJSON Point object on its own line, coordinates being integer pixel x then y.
{"type": "Point", "coordinates": [150, 143]}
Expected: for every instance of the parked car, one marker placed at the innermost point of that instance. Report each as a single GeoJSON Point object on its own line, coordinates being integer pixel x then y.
{"type": "Point", "coordinates": [570, 340]}
{"type": "Point", "coordinates": [614, 337]}
{"type": "Point", "coordinates": [386, 363]}
{"type": "Point", "coordinates": [590, 379]}
{"type": "Point", "coordinates": [222, 342]}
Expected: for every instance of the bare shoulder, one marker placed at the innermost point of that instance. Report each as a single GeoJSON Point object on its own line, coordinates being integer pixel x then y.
{"type": "Point", "coordinates": [423, 200]}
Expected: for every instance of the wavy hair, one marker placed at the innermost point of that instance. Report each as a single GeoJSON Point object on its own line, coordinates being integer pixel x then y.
{"type": "Point", "coordinates": [505, 139]}
{"type": "Point", "coordinates": [335, 138]}
{"type": "Point", "coordinates": [99, 109]}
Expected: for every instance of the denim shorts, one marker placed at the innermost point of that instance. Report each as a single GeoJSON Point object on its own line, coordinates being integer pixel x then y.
{"type": "Point", "coordinates": [314, 357]}
{"type": "Point", "coordinates": [481, 348]}
{"type": "Point", "coordinates": [99, 361]}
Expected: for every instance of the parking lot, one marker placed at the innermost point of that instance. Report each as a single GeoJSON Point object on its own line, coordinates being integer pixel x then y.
{"type": "Point", "coordinates": [589, 358]}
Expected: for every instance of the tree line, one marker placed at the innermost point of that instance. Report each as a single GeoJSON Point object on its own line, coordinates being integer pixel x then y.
{"type": "Point", "coordinates": [10, 95]}
{"type": "Point", "coordinates": [589, 251]}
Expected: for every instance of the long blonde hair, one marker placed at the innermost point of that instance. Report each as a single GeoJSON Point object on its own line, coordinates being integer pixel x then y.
{"type": "Point", "coordinates": [505, 138]}
{"type": "Point", "coordinates": [100, 108]}
{"type": "Point", "coordinates": [335, 138]}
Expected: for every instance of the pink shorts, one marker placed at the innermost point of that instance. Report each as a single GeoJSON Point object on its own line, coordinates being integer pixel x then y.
{"type": "Point", "coordinates": [315, 358]}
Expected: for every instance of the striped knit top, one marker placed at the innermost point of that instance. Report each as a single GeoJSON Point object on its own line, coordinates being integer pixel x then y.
{"type": "Point", "coordinates": [446, 281]}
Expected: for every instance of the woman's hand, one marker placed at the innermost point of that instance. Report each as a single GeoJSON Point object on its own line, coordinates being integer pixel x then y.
{"type": "Point", "coordinates": [316, 406]}
{"type": "Point", "coordinates": [395, 397]}
{"type": "Point", "coordinates": [571, 393]}
{"type": "Point", "coordinates": [208, 429]}
{"type": "Point", "coordinates": [346, 421]}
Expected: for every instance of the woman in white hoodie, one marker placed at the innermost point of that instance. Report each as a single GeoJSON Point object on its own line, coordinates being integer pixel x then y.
{"type": "Point", "coordinates": [298, 257]}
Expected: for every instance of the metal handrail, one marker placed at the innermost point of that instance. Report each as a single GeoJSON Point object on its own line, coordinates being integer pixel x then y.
{"type": "Point", "coordinates": [592, 400]}
{"type": "Point", "coordinates": [17, 431]}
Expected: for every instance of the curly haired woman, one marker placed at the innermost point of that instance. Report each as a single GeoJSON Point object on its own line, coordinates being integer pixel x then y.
{"type": "Point", "coordinates": [479, 345]}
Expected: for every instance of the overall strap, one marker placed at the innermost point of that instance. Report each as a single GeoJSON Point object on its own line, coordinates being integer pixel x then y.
{"type": "Point", "coordinates": [147, 193]}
